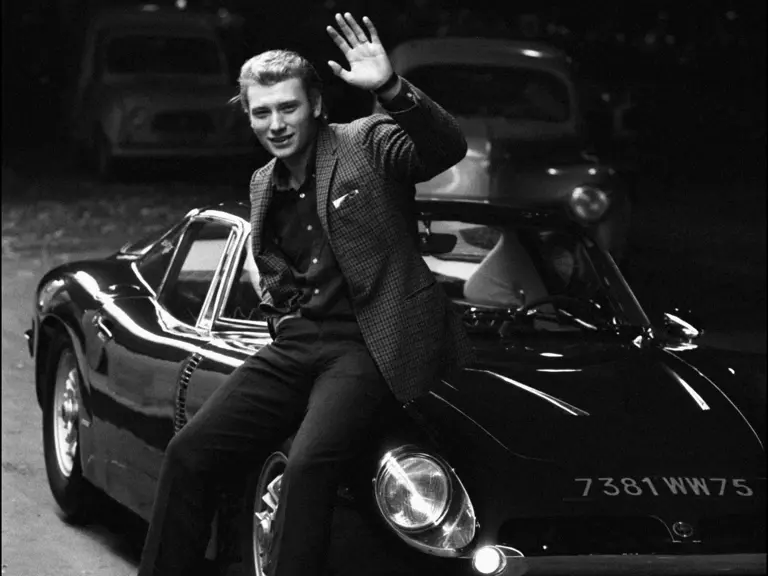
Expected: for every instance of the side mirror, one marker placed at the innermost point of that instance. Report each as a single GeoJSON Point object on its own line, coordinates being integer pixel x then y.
{"type": "Point", "coordinates": [436, 243]}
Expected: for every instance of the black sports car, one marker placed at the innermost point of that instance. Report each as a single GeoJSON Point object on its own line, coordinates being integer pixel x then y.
{"type": "Point", "coordinates": [585, 440]}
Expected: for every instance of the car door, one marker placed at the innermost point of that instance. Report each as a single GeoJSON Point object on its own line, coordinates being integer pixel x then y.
{"type": "Point", "coordinates": [149, 341]}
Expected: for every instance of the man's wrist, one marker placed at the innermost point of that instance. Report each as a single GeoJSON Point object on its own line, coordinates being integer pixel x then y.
{"type": "Point", "coordinates": [389, 89]}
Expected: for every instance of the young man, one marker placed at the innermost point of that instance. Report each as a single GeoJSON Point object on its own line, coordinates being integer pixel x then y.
{"type": "Point", "coordinates": [357, 315]}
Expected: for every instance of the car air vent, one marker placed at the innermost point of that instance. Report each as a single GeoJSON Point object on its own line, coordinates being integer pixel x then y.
{"type": "Point", "coordinates": [186, 122]}
{"type": "Point", "coordinates": [733, 534]}
{"type": "Point", "coordinates": [180, 416]}
{"type": "Point", "coordinates": [586, 535]}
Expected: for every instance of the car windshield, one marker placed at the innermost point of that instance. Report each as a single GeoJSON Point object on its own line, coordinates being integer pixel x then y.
{"type": "Point", "coordinates": [144, 54]}
{"type": "Point", "coordinates": [499, 91]}
{"type": "Point", "coordinates": [541, 277]}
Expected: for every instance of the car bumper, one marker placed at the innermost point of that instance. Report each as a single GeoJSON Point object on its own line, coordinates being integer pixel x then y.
{"type": "Point", "coordinates": [29, 335]}
{"type": "Point", "coordinates": [647, 565]}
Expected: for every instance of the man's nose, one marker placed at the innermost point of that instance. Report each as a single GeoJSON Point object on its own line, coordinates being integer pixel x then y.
{"type": "Point", "coordinates": [277, 123]}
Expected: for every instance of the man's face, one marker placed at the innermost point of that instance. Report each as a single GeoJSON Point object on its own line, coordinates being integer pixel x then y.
{"type": "Point", "coordinates": [282, 117]}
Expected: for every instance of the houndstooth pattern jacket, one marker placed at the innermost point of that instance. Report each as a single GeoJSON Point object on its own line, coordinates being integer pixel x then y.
{"type": "Point", "coordinates": [365, 176]}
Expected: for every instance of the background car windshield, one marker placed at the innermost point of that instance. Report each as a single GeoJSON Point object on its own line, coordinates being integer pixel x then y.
{"type": "Point", "coordinates": [144, 54]}
{"type": "Point", "coordinates": [500, 91]}
{"type": "Point", "coordinates": [508, 267]}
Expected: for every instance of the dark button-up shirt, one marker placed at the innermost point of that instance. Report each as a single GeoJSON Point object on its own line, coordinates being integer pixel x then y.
{"type": "Point", "coordinates": [293, 225]}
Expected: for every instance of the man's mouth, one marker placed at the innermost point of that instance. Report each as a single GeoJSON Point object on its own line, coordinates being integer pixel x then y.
{"type": "Point", "coordinates": [280, 140]}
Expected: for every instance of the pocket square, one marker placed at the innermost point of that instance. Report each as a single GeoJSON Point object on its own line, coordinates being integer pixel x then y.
{"type": "Point", "coordinates": [340, 199]}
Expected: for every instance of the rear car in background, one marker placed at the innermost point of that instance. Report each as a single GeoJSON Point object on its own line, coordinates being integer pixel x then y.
{"type": "Point", "coordinates": [154, 83]}
{"type": "Point", "coordinates": [520, 110]}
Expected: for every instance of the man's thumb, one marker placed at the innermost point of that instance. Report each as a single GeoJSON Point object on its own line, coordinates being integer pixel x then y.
{"type": "Point", "coordinates": [338, 70]}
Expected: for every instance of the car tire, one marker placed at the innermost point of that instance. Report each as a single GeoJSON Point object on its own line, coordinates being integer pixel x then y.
{"type": "Point", "coordinates": [253, 540]}
{"type": "Point", "coordinates": [61, 434]}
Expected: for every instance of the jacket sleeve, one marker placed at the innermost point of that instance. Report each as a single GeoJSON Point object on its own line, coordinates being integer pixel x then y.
{"type": "Point", "coordinates": [414, 144]}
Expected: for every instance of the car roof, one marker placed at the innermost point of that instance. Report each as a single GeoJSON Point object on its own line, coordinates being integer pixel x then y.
{"type": "Point", "coordinates": [457, 50]}
{"type": "Point", "coordinates": [134, 18]}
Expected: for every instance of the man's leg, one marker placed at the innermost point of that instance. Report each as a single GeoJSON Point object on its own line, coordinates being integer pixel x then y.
{"type": "Point", "coordinates": [347, 395]}
{"type": "Point", "coordinates": [257, 406]}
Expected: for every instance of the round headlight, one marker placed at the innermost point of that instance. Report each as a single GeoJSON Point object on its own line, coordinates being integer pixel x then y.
{"type": "Point", "coordinates": [138, 117]}
{"type": "Point", "coordinates": [413, 491]}
{"type": "Point", "coordinates": [589, 203]}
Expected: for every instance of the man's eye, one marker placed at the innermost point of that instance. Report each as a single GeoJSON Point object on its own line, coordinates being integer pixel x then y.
{"type": "Point", "coordinates": [289, 108]}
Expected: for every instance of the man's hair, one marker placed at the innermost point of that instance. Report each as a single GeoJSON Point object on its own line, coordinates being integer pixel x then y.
{"type": "Point", "coordinates": [275, 66]}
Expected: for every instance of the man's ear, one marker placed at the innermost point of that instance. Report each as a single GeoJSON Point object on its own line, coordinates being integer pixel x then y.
{"type": "Point", "coordinates": [317, 104]}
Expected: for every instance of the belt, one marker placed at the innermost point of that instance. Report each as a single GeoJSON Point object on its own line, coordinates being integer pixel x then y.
{"type": "Point", "coordinates": [281, 319]}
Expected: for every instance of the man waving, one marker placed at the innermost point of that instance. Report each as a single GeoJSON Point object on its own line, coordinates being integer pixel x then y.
{"type": "Point", "coordinates": [357, 316]}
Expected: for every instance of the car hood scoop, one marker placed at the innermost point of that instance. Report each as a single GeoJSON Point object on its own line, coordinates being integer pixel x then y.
{"type": "Point", "coordinates": [590, 403]}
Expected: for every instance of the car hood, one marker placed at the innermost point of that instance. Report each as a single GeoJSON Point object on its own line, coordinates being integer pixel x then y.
{"type": "Point", "coordinates": [592, 403]}
{"type": "Point", "coordinates": [533, 161]}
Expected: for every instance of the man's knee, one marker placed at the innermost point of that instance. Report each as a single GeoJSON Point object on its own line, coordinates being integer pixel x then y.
{"type": "Point", "coordinates": [184, 452]}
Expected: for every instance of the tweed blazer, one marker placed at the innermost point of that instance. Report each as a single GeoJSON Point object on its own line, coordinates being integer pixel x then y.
{"type": "Point", "coordinates": [366, 173]}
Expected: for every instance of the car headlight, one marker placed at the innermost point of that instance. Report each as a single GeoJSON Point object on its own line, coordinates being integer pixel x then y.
{"type": "Point", "coordinates": [422, 499]}
{"type": "Point", "coordinates": [413, 491]}
{"type": "Point", "coordinates": [588, 203]}
{"type": "Point", "coordinates": [138, 117]}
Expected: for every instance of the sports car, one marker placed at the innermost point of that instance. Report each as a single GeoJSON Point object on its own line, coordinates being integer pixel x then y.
{"type": "Point", "coordinates": [585, 439]}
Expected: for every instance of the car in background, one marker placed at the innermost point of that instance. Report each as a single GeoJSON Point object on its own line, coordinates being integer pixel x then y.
{"type": "Point", "coordinates": [154, 83]}
{"type": "Point", "coordinates": [586, 439]}
{"type": "Point", "coordinates": [520, 108]}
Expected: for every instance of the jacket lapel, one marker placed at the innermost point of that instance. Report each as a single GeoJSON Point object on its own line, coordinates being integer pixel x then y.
{"type": "Point", "coordinates": [325, 164]}
{"type": "Point", "coordinates": [261, 194]}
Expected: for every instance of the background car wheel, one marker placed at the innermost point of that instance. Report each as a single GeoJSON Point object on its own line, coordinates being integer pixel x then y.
{"type": "Point", "coordinates": [61, 433]}
{"type": "Point", "coordinates": [261, 497]}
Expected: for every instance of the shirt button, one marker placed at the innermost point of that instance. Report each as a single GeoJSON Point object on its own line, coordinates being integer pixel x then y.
{"type": "Point", "coordinates": [314, 260]}
{"type": "Point", "coordinates": [302, 195]}
{"type": "Point", "coordinates": [317, 290]}
{"type": "Point", "coordinates": [309, 227]}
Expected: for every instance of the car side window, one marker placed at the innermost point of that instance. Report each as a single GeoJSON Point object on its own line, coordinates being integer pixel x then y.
{"type": "Point", "coordinates": [155, 262]}
{"type": "Point", "coordinates": [245, 295]}
{"type": "Point", "coordinates": [194, 268]}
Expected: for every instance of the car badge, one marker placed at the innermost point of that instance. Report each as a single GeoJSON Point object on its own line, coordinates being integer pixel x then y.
{"type": "Point", "coordinates": [682, 529]}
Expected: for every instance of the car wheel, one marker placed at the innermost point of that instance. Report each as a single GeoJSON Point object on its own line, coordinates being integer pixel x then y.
{"type": "Point", "coordinates": [61, 433]}
{"type": "Point", "coordinates": [262, 496]}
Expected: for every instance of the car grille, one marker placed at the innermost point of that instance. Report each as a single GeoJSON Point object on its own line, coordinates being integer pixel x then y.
{"type": "Point", "coordinates": [183, 122]}
{"type": "Point", "coordinates": [586, 535]}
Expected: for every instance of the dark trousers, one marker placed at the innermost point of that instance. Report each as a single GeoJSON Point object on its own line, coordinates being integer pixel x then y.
{"type": "Point", "coordinates": [317, 376]}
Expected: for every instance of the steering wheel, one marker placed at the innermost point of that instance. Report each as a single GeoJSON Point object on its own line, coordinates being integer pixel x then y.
{"type": "Point", "coordinates": [560, 302]}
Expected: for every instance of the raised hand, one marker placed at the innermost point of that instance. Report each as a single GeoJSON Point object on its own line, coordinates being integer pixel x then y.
{"type": "Point", "coordinates": [368, 61]}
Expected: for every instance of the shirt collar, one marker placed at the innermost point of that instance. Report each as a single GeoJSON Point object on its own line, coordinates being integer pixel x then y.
{"type": "Point", "coordinates": [281, 176]}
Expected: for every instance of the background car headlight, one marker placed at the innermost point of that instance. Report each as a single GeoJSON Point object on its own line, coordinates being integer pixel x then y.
{"type": "Point", "coordinates": [413, 491]}
{"type": "Point", "coordinates": [589, 203]}
{"type": "Point", "coordinates": [138, 117]}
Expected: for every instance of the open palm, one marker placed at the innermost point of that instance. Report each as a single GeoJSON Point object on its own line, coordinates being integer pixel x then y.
{"type": "Point", "coordinates": [368, 61]}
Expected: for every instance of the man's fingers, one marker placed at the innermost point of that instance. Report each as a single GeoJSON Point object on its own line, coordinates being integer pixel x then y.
{"type": "Point", "coordinates": [338, 40]}
{"type": "Point", "coordinates": [348, 34]}
{"type": "Point", "coordinates": [358, 32]}
{"type": "Point", "coordinates": [372, 30]}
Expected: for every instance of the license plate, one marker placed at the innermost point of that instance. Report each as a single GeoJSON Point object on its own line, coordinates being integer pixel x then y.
{"type": "Point", "coordinates": [653, 486]}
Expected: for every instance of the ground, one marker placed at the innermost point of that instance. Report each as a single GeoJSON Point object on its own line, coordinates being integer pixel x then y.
{"type": "Point", "coordinates": [698, 242]}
